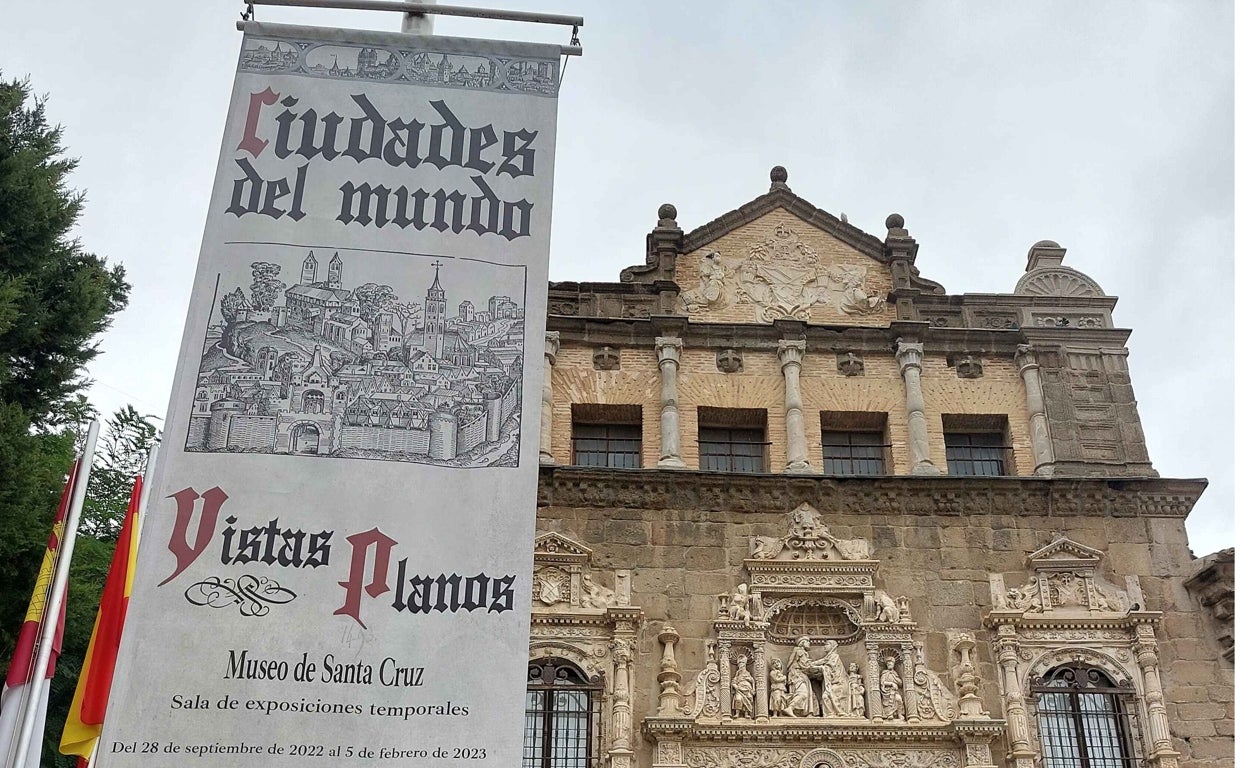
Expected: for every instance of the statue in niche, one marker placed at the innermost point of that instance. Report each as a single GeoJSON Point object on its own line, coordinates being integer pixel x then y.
{"type": "Point", "coordinates": [856, 691]}
{"type": "Point", "coordinates": [853, 298]}
{"type": "Point", "coordinates": [891, 691]}
{"type": "Point", "coordinates": [710, 284]}
{"type": "Point", "coordinates": [834, 682]}
{"type": "Point", "coordinates": [742, 689]}
{"type": "Point", "coordinates": [778, 689]}
{"type": "Point", "coordinates": [595, 595]}
{"type": "Point", "coordinates": [885, 608]}
{"type": "Point", "coordinates": [801, 700]}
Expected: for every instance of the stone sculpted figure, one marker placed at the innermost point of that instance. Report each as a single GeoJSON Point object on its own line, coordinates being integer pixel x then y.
{"type": "Point", "coordinates": [856, 691]}
{"type": "Point", "coordinates": [885, 608]}
{"type": "Point", "coordinates": [1023, 598]}
{"type": "Point", "coordinates": [891, 691]}
{"type": "Point", "coordinates": [765, 547]}
{"type": "Point", "coordinates": [595, 595]}
{"type": "Point", "coordinates": [742, 689]}
{"type": "Point", "coordinates": [834, 682]}
{"type": "Point", "coordinates": [801, 698]}
{"type": "Point", "coordinates": [778, 689]}
{"type": "Point", "coordinates": [710, 283]}
{"type": "Point", "coordinates": [853, 299]}
{"type": "Point", "coordinates": [738, 608]}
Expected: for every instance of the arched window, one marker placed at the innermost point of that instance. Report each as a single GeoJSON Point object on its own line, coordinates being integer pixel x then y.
{"type": "Point", "coordinates": [561, 716]}
{"type": "Point", "coordinates": [1084, 719]}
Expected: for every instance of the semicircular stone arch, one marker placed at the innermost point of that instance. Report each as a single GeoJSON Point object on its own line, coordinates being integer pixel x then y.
{"type": "Point", "coordinates": [593, 666]}
{"type": "Point", "coordinates": [821, 758]}
{"type": "Point", "coordinates": [1060, 656]}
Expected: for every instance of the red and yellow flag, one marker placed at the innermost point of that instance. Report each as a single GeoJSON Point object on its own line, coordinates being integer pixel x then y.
{"type": "Point", "coordinates": [85, 720]}
{"type": "Point", "coordinates": [15, 695]}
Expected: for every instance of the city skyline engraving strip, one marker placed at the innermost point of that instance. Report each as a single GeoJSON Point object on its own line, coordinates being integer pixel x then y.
{"type": "Point", "coordinates": [498, 74]}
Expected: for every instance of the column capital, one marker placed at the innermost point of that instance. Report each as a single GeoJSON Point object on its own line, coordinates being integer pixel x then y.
{"type": "Point", "coordinates": [790, 352]}
{"type": "Point", "coordinates": [668, 348]}
{"type": "Point", "coordinates": [1024, 357]}
{"type": "Point", "coordinates": [551, 346]}
{"type": "Point", "coordinates": [909, 354]}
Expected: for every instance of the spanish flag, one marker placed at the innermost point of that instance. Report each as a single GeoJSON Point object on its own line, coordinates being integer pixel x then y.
{"type": "Point", "coordinates": [14, 700]}
{"type": "Point", "coordinates": [85, 720]}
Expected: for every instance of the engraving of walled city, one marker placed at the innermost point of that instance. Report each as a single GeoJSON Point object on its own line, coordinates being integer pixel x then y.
{"type": "Point", "coordinates": [303, 360]}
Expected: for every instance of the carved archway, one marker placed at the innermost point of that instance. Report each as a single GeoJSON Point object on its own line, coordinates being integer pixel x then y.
{"type": "Point", "coordinates": [821, 758]}
{"type": "Point", "coordinates": [1060, 656]}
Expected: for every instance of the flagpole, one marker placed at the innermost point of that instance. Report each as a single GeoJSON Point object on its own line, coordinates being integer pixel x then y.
{"type": "Point", "coordinates": [51, 611]}
{"type": "Point", "coordinates": [151, 456]}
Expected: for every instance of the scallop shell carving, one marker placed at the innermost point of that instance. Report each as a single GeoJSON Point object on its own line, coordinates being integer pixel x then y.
{"type": "Point", "coordinates": [1059, 281]}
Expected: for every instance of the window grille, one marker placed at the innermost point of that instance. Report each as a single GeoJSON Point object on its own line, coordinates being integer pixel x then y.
{"type": "Point", "coordinates": [854, 453]}
{"type": "Point", "coordinates": [813, 620]}
{"type": "Point", "coordinates": [1085, 720]}
{"type": "Point", "coordinates": [732, 449]}
{"type": "Point", "coordinates": [561, 717]}
{"type": "Point", "coordinates": [980, 454]}
{"type": "Point", "coordinates": [618, 446]}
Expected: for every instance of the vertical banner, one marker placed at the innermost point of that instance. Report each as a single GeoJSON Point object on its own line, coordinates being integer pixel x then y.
{"type": "Point", "coordinates": [336, 564]}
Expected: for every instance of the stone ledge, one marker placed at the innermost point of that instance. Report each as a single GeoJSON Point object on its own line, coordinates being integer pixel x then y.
{"type": "Point", "coordinates": [566, 486]}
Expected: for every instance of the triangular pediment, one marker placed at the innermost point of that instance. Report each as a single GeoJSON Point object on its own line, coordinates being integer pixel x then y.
{"type": "Point", "coordinates": [1064, 551]}
{"type": "Point", "coordinates": [552, 547]}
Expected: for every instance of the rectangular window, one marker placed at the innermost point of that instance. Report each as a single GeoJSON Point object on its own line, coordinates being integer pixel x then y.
{"type": "Point", "coordinates": [607, 436]}
{"type": "Point", "coordinates": [854, 443]}
{"type": "Point", "coordinates": [732, 439]}
{"type": "Point", "coordinates": [977, 445]}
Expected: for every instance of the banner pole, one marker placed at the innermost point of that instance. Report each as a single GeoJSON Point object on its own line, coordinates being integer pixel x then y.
{"type": "Point", "coordinates": [419, 23]}
{"type": "Point", "coordinates": [151, 456]}
{"type": "Point", "coordinates": [51, 610]}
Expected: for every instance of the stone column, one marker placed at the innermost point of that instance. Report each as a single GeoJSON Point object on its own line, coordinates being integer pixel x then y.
{"type": "Point", "coordinates": [668, 349]}
{"type": "Point", "coordinates": [910, 690]}
{"type": "Point", "coordinates": [1161, 753]}
{"type": "Point", "coordinates": [551, 348]}
{"type": "Point", "coordinates": [874, 702]}
{"type": "Point", "coordinates": [725, 679]}
{"type": "Point", "coordinates": [1014, 701]}
{"type": "Point", "coordinates": [621, 705]}
{"type": "Point", "coordinates": [790, 354]}
{"type": "Point", "coordinates": [909, 355]}
{"type": "Point", "coordinates": [669, 674]}
{"type": "Point", "coordinates": [762, 704]}
{"type": "Point", "coordinates": [1039, 432]}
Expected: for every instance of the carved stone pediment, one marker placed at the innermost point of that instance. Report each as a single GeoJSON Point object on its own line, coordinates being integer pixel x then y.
{"type": "Point", "coordinates": [807, 539]}
{"type": "Point", "coordinates": [1065, 579]}
{"type": "Point", "coordinates": [554, 548]}
{"type": "Point", "coordinates": [563, 579]}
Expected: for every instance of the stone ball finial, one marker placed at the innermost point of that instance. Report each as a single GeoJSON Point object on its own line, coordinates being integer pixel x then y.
{"type": "Point", "coordinates": [895, 221]}
{"type": "Point", "coordinates": [779, 174]}
{"type": "Point", "coordinates": [667, 211]}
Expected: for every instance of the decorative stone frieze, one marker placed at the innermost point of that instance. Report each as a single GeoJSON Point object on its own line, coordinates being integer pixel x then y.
{"type": "Point", "coordinates": [1214, 583]}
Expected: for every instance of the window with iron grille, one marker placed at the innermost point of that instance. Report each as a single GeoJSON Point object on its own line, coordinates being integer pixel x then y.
{"type": "Point", "coordinates": [607, 445]}
{"type": "Point", "coordinates": [732, 449]}
{"type": "Point", "coordinates": [976, 453]}
{"type": "Point", "coordinates": [561, 717]}
{"type": "Point", "coordinates": [607, 435]}
{"type": "Point", "coordinates": [1084, 719]}
{"type": "Point", "coordinates": [854, 453]}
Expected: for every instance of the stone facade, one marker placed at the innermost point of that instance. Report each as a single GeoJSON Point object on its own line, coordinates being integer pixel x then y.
{"type": "Point", "coordinates": [791, 617]}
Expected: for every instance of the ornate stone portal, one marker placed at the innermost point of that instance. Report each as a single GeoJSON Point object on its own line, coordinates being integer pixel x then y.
{"type": "Point", "coordinates": [578, 618]}
{"type": "Point", "coordinates": [809, 660]}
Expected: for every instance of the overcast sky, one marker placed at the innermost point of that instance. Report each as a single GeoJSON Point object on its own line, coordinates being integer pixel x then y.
{"type": "Point", "coordinates": [1105, 126]}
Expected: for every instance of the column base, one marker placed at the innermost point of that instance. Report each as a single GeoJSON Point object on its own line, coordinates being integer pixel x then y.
{"type": "Point", "coordinates": [672, 462]}
{"type": "Point", "coordinates": [799, 468]}
{"type": "Point", "coordinates": [926, 468]}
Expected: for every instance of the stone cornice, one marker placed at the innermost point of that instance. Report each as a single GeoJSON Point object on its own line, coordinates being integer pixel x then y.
{"type": "Point", "coordinates": [565, 486]}
{"type": "Point", "coordinates": [1060, 619]}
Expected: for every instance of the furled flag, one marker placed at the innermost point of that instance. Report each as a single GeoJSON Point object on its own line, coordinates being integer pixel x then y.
{"type": "Point", "coordinates": [14, 701]}
{"type": "Point", "coordinates": [85, 720]}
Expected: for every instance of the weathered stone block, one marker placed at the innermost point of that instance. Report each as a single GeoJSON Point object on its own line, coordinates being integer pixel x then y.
{"type": "Point", "coordinates": [627, 531]}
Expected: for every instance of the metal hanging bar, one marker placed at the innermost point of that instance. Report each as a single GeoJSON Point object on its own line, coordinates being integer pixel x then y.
{"type": "Point", "coordinates": [431, 8]}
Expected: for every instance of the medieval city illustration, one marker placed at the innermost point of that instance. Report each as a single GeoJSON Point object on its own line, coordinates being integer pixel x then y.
{"type": "Point", "coordinates": [340, 367]}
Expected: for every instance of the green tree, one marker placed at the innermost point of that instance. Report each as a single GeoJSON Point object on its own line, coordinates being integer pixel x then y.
{"type": "Point", "coordinates": [55, 299]}
{"type": "Point", "coordinates": [119, 457]}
